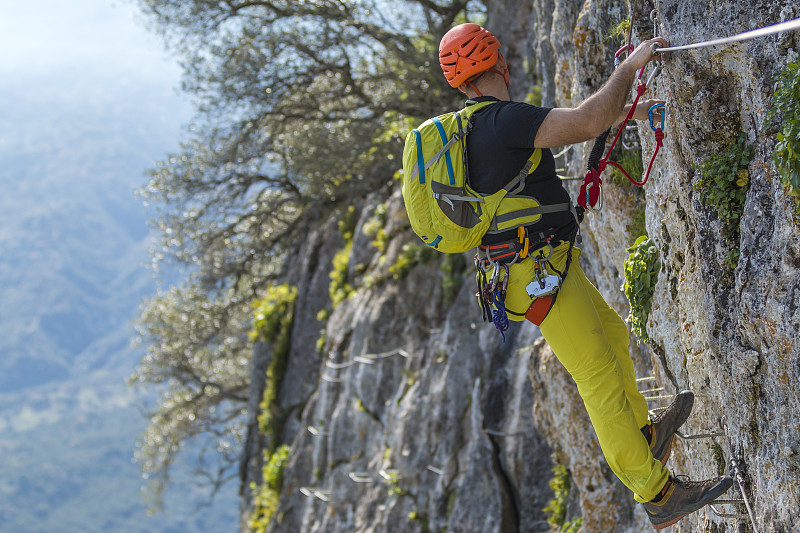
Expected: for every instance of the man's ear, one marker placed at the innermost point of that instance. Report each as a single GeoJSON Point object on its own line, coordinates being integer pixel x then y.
{"type": "Point", "coordinates": [501, 62]}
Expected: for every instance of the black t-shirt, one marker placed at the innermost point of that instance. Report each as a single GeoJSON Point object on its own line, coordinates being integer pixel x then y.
{"type": "Point", "coordinates": [499, 144]}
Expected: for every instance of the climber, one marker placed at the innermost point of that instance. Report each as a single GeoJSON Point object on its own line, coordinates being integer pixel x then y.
{"type": "Point", "coordinates": [589, 338]}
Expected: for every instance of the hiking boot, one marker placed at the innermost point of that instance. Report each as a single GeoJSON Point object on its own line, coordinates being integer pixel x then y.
{"type": "Point", "coordinates": [680, 497]}
{"type": "Point", "coordinates": [662, 428]}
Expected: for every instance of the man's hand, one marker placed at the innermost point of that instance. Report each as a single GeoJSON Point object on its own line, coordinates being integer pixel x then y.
{"type": "Point", "coordinates": [643, 108]}
{"type": "Point", "coordinates": [594, 115]}
{"type": "Point", "coordinates": [644, 52]}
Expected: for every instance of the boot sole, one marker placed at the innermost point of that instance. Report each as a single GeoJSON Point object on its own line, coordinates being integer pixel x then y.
{"type": "Point", "coordinates": [712, 495]}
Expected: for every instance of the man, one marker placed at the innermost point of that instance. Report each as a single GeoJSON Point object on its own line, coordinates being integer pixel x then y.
{"type": "Point", "coordinates": [588, 337]}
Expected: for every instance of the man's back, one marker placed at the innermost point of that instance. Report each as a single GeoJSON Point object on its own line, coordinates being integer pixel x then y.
{"type": "Point", "coordinates": [499, 144]}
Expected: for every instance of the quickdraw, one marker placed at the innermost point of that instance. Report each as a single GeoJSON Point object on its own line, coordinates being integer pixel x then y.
{"type": "Point", "coordinates": [492, 296]}
{"type": "Point", "coordinates": [590, 196]}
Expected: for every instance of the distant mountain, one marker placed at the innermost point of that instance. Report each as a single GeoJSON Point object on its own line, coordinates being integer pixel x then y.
{"type": "Point", "coordinates": [73, 245]}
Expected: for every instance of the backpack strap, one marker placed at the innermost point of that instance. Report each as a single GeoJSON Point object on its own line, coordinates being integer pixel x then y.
{"type": "Point", "coordinates": [419, 169]}
{"type": "Point", "coordinates": [516, 186]}
{"type": "Point", "coordinates": [465, 113]}
{"type": "Point", "coordinates": [518, 183]}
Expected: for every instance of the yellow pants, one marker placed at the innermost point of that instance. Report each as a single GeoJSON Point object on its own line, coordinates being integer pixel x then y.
{"type": "Point", "coordinates": [591, 341]}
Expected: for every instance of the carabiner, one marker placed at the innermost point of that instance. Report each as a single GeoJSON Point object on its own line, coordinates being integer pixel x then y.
{"type": "Point", "coordinates": [662, 113]}
{"type": "Point", "coordinates": [656, 72]}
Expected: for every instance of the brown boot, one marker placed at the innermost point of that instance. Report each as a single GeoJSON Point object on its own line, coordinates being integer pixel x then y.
{"type": "Point", "coordinates": [662, 427]}
{"type": "Point", "coordinates": [680, 497]}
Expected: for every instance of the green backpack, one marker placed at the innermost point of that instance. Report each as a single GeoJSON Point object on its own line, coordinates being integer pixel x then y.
{"type": "Point", "coordinates": [445, 212]}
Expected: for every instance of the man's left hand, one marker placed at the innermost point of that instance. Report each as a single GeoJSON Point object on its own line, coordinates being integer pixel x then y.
{"type": "Point", "coordinates": [643, 108]}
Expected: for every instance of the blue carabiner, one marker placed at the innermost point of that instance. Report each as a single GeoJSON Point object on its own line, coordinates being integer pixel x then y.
{"type": "Point", "coordinates": [662, 113]}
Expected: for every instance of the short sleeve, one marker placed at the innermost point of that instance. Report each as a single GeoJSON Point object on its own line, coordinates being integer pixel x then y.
{"type": "Point", "coordinates": [517, 123]}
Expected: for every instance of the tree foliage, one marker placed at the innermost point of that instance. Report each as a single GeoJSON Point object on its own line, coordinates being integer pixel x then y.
{"type": "Point", "coordinates": [301, 107]}
{"type": "Point", "coordinates": [198, 356]}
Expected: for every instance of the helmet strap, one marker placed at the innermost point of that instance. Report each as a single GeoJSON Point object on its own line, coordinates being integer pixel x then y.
{"type": "Point", "coordinates": [503, 74]}
{"type": "Point", "coordinates": [471, 86]}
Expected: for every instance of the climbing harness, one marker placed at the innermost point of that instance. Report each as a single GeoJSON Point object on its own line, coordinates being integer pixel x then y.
{"type": "Point", "coordinates": [543, 289]}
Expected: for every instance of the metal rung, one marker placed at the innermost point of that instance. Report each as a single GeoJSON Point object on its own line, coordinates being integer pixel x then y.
{"type": "Point", "coordinates": [338, 366]}
{"type": "Point", "coordinates": [648, 378]}
{"type": "Point", "coordinates": [389, 474]}
{"type": "Point", "coordinates": [563, 152]}
{"type": "Point", "coordinates": [436, 470]}
{"type": "Point", "coordinates": [366, 359]}
{"type": "Point", "coordinates": [331, 379]}
{"type": "Point", "coordinates": [706, 435]}
{"type": "Point", "coordinates": [361, 477]}
{"type": "Point", "coordinates": [648, 391]}
{"type": "Point", "coordinates": [652, 398]}
{"type": "Point", "coordinates": [317, 432]}
{"type": "Point", "coordinates": [371, 357]}
{"type": "Point", "coordinates": [723, 514]}
{"type": "Point", "coordinates": [314, 492]}
{"type": "Point", "coordinates": [735, 472]}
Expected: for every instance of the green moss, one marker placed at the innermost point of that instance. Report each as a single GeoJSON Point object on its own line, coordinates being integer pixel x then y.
{"type": "Point", "coordinates": [618, 32]}
{"type": "Point", "coordinates": [421, 519]}
{"type": "Point", "coordinates": [273, 314]}
{"type": "Point", "coordinates": [323, 338]}
{"type": "Point", "coordinates": [375, 228]}
{"type": "Point", "coordinates": [347, 224]}
{"type": "Point", "coordinates": [786, 104]}
{"type": "Point", "coordinates": [392, 480]}
{"type": "Point", "coordinates": [340, 288]}
{"type": "Point", "coordinates": [724, 180]}
{"type": "Point", "coordinates": [411, 255]}
{"type": "Point", "coordinates": [556, 509]}
{"type": "Point", "coordinates": [272, 323]}
{"type": "Point", "coordinates": [641, 273]}
{"type": "Point", "coordinates": [573, 525]}
{"type": "Point", "coordinates": [266, 497]}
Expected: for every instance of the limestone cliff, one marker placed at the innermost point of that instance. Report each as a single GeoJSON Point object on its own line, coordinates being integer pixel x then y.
{"type": "Point", "coordinates": [413, 415]}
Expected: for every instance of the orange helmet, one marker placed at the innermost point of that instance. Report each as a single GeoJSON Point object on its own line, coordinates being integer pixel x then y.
{"type": "Point", "coordinates": [467, 50]}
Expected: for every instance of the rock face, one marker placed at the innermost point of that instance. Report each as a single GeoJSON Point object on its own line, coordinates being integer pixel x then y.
{"type": "Point", "coordinates": [415, 416]}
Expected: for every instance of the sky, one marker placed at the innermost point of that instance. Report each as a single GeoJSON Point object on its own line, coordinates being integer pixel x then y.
{"type": "Point", "coordinates": [52, 38]}
{"type": "Point", "coordinates": [60, 59]}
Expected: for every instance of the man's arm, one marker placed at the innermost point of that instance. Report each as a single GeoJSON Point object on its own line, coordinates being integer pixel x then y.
{"type": "Point", "coordinates": [594, 115]}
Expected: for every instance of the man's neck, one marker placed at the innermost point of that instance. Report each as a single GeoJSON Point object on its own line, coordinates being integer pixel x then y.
{"type": "Point", "coordinates": [497, 88]}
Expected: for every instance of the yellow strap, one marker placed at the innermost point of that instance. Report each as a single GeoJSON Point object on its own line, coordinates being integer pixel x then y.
{"type": "Point", "coordinates": [523, 238]}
